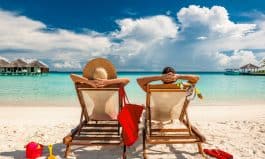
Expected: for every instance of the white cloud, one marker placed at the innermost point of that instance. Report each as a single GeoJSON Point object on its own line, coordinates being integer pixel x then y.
{"type": "Point", "coordinates": [237, 59]}
{"type": "Point", "coordinates": [3, 58]}
{"type": "Point", "coordinates": [28, 60]}
{"type": "Point", "coordinates": [202, 38]}
{"type": "Point", "coordinates": [254, 14]}
{"type": "Point", "coordinates": [196, 40]}
{"type": "Point", "coordinates": [260, 55]}
{"type": "Point", "coordinates": [22, 33]}
{"type": "Point", "coordinates": [67, 65]}
{"type": "Point", "coordinates": [150, 28]}
{"type": "Point", "coordinates": [215, 20]}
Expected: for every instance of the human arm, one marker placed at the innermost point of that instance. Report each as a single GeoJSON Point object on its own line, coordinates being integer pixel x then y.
{"type": "Point", "coordinates": [143, 81]}
{"type": "Point", "coordinates": [192, 79]}
{"type": "Point", "coordinates": [166, 78]}
{"type": "Point", "coordinates": [106, 82]}
{"type": "Point", "coordinates": [79, 79]}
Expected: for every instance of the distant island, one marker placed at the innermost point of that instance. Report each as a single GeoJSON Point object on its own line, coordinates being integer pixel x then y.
{"type": "Point", "coordinates": [22, 67]}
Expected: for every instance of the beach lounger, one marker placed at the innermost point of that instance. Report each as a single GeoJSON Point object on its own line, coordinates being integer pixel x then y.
{"type": "Point", "coordinates": [98, 122]}
{"type": "Point", "coordinates": [167, 103]}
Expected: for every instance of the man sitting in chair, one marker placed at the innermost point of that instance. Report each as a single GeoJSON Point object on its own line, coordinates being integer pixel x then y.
{"type": "Point", "coordinates": [168, 76]}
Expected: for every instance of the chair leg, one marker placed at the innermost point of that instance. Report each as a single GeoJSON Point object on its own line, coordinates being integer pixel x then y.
{"type": "Point", "coordinates": [124, 152]}
{"type": "Point", "coordinates": [144, 145]}
{"type": "Point", "coordinates": [200, 149]}
{"type": "Point", "coordinates": [67, 151]}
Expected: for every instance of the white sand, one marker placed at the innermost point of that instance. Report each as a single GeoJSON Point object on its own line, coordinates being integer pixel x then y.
{"type": "Point", "coordinates": [239, 130]}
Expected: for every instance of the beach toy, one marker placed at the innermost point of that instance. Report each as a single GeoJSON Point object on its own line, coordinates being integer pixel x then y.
{"type": "Point", "coordinates": [212, 153]}
{"type": "Point", "coordinates": [180, 85]}
{"type": "Point", "coordinates": [225, 154]}
{"type": "Point", "coordinates": [51, 156]}
{"type": "Point", "coordinates": [33, 150]}
{"type": "Point", "coordinates": [192, 91]}
{"type": "Point", "coordinates": [219, 154]}
{"type": "Point", "coordinates": [198, 93]}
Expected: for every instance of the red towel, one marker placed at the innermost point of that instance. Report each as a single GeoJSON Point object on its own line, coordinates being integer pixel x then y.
{"type": "Point", "coordinates": [219, 154]}
{"type": "Point", "coordinates": [213, 153]}
{"type": "Point", "coordinates": [129, 118]}
{"type": "Point", "coordinates": [225, 154]}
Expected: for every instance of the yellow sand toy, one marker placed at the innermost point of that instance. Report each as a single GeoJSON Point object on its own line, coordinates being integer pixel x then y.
{"type": "Point", "coordinates": [51, 154]}
{"type": "Point", "coordinates": [198, 92]}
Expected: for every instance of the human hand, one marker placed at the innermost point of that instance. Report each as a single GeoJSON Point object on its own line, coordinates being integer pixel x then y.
{"type": "Point", "coordinates": [176, 77]}
{"type": "Point", "coordinates": [100, 83]}
{"type": "Point", "coordinates": [92, 83]}
{"type": "Point", "coordinates": [169, 78]}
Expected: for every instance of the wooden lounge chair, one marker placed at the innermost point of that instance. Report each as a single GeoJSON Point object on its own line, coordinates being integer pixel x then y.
{"type": "Point", "coordinates": [168, 102]}
{"type": "Point", "coordinates": [98, 122]}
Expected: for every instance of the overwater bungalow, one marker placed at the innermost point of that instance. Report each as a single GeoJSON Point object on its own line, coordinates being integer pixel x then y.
{"type": "Point", "coordinates": [21, 67]}
{"type": "Point", "coordinates": [3, 65]}
{"type": "Point", "coordinates": [17, 67]}
{"type": "Point", "coordinates": [249, 68]}
{"type": "Point", "coordinates": [38, 66]}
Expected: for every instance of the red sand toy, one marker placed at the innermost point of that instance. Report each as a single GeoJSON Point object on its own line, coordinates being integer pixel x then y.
{"type": "Point", "coordinates": [33, 150]}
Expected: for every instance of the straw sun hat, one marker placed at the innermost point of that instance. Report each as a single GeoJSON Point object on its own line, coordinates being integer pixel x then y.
{"type": "Point", "coordinates": [99, 68]}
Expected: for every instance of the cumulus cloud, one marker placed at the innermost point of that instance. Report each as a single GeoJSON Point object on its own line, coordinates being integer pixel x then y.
{"type": "Point", "coordinates": [67, 65]}
{"type": "Point", "coordinates": [205, 33]}
{"type": "Point", "coordinates": [237, 59]}
{"type": "Point", "coordinates": [150, 28]}
{"type": "Point", "coordinates": [215, 20]}
{"type": "Point", "coordinates": [198, 38]}
{"type": "Point", "coordinates": [22, 33]}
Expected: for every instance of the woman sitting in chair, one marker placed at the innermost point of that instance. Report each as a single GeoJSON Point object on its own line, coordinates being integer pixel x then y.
{"type": "Point", "coordinates": [168, 76]}
{"type": "Point", "coordinates": [99, 73]}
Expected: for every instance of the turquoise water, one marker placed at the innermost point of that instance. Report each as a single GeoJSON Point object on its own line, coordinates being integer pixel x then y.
{"type": "Point", "coordinates": [58, 89]}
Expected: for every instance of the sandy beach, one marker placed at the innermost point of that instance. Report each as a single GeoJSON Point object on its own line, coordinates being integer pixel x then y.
{"type": "Point", "coordinates": [239, 130]}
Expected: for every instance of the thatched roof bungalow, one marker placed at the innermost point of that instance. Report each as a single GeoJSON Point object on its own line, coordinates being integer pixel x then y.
{"type": "Point", "coordinates": [21, 66]}
{"type": "Point", "coordinates": [18, 63]}
{"type": "Point", "coordinates": [3, 63]}
{"type": "Point", "coordinates": [40, 66]}
{"type": "Point", "coordinates": [249, 67]}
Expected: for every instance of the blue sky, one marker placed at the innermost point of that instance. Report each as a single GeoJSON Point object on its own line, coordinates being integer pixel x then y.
{"type": "Point", "coordinates": [135, 35]}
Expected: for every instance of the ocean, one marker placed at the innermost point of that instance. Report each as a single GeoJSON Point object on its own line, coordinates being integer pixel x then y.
{"type": "Point", "coordinates": [57, 89]}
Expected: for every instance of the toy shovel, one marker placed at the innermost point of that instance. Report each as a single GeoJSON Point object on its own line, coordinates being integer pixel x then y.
{"type": "Point", "coordinates": [51, 154]}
